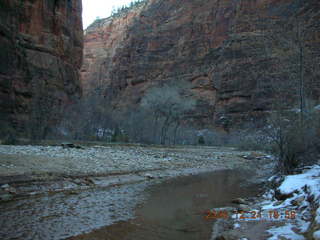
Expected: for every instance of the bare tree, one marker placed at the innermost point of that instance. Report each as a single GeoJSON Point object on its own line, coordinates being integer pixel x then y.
{"type": "Point", "coordinates": [168, 107]}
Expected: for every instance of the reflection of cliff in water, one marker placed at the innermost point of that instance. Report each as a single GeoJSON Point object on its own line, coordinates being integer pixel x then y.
{"type": "Point", "coordinates": [175, 208]}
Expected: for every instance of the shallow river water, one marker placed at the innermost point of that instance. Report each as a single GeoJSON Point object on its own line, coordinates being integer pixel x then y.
{"type": "Point", "coordinates": [172, 209]}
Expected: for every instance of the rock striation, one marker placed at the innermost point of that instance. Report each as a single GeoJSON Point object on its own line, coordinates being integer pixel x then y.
{"type": "Point", "coordinates": [41, 44]}
{"type": "Point", "coordinates": [237, 55]}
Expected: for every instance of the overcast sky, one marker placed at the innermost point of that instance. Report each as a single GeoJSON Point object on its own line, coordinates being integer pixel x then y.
{"type": "Point", "coordinates": [99, 8]}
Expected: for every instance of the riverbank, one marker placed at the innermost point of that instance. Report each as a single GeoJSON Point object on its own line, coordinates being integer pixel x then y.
{"type": "Point", "coordinates": [82, 189]}
{"type": "Point", "coordinates": [289, 210]}
{"type": "Point", "coordinates": [32, 170]}
{"type": "Point", "coordinates": [95, 160]}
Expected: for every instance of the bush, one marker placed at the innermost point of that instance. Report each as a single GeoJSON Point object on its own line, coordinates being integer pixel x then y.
{"type": "Point", "coordinates": [10, 139]}
{"type": "Point", "coordinates": [250, 139]}
{"type": "Point", "coordinates": [119, 136]}
{"type": "Point", "coordinates": [201, 140]}
{"type": "Point", "coordinates": [295, 139]}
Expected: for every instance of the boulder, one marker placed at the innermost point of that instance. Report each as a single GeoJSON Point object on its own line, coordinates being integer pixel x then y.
{"type": "Point", "coordinates": [71, 145]}
{"type": "Point", "coordinates": [11, 190]}
{"type": "Point", "coordinates": [282, 196]}
{"type": "Point", "coordinates": [149, 176]}
{"type": "Point", "coordinates": [298, 201]}
{"type": "Point", "coordinates": [5, 186]}
{"type": "Point", "coordinates": [243, 207]}
{"type": "Point", "coordinates": [6, 197]}
{"type": "Point", "coordinates": [239, 201]}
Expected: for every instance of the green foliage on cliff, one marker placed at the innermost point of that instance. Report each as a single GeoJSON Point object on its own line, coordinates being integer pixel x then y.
{"type": "Point", "coordinates": [116, 12]}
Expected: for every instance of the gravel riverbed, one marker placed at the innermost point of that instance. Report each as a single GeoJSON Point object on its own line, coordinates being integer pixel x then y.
{"type": "Point", "coordinates": [28, 160]}
{"type": "Point", "coordinates": [89, 188]}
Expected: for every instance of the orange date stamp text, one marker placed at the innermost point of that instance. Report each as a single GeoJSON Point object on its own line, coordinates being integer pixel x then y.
{"type": "Point", "coordinates": [254, 215]}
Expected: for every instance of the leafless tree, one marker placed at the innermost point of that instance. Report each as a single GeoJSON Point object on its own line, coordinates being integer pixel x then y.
{"type": "Point", "coordinates": [168, 107]}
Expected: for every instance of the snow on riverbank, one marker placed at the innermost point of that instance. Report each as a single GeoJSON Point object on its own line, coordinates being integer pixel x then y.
{"type": "Point", "coordinates": [289, 210]}
{"type": "Point", "coordinates": [298, 194]}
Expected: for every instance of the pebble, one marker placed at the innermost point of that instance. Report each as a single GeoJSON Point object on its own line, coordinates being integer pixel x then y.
{"type": "Point", "coordinates": [243, 207]}
{"type": "Point", "coordinates": [298, 201]}
{"type": "Point", "coordinates": [5, 186]}
{"type": "Point", "coordinates": [6, 197]}
{"type": "Point", "coordinates": [149, 176]}
{"type": "Point", "coordinates": [77, 181]}
{"type": "Point", "coordinates": [11, 190]}
{"type": "Point", "coordinates": [102, 159]}
{"type": "Point", "coordinates": [239, 201]}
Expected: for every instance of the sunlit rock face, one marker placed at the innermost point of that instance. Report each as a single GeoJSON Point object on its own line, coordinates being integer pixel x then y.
{"type": "Point", "coordinates": [236, 54]}
{"type": "Point", "coordinates": [41, 44]}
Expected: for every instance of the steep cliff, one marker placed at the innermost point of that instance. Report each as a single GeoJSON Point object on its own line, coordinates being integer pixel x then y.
{"type": "Point", "coordinates": [102, 39]}
{"type": "Point", "coordinates": [237, 55]}
{"type": "Point", "coordinates": [41, 44]}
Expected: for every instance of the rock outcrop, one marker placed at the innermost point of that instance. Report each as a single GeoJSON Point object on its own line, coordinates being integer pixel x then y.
{"type": "Point", "coordinates": [240, 56]}
{"type": "Point", "coordinates": [41, 44]}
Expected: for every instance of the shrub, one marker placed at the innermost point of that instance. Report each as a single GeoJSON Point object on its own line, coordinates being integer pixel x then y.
{"type": "Point", "coordinates": [201, 140]}
{"type": "Point", "coordinates": [295, 140]}
{"type": "Point", "coordinates": [251, 138]}
{"type": "Point", "coordinates": [10, 139]}
{"type": "Point", "coordinates": [119, 136]}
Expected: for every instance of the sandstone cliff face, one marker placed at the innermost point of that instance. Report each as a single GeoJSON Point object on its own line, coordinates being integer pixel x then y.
{"type": "Point", "coordinates": [103, 38]}
{"type": "Point", "coordinates": [41, 44]}
{"type": "Point", "coordinates": [236, 54]}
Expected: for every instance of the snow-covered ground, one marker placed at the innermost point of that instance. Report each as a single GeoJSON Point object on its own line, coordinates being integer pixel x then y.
{"type": "Point", "coordinates": [301, 197]}
{"type": "Point", "coordinates": [292, 210]}
{"type": "Point", "coordinates": [289, 210]}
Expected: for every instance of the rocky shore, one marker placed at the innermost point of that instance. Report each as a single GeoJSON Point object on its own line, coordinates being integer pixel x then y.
{"type": "Point", "coordinates": [289, 209]}
{"type": "Point", "coordinates": [33, 170]}
{"type": "Point", "coordinates": [102, 184]}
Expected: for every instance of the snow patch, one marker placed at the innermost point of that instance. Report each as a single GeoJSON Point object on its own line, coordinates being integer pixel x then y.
{"type": "Point", "coordinates": [317, 107]}
{"type": "Point", "coordinates": [296, 182]}
{"type": "Point", "coordinates": [318, 216]}
{"type": "Point", "coordinates": [302, 187]}
{"type": "Point", "coordinates": [316, 235]}
{"type": "Point", "coordinates": [284, 231]}
{"type": "Point", "coordinates": [236, 225]}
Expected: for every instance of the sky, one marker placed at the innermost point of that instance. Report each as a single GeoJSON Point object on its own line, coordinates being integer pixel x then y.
{"type": "Point", "coordinates": [99, 8]}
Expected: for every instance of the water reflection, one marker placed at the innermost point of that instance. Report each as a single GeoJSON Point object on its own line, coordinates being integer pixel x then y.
{"type": "Point", "coordinates": [175, 208]}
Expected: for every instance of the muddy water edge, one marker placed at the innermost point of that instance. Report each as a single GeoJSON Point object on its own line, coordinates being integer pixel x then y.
{"type": "Point", "coordinates": [175, 208]}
